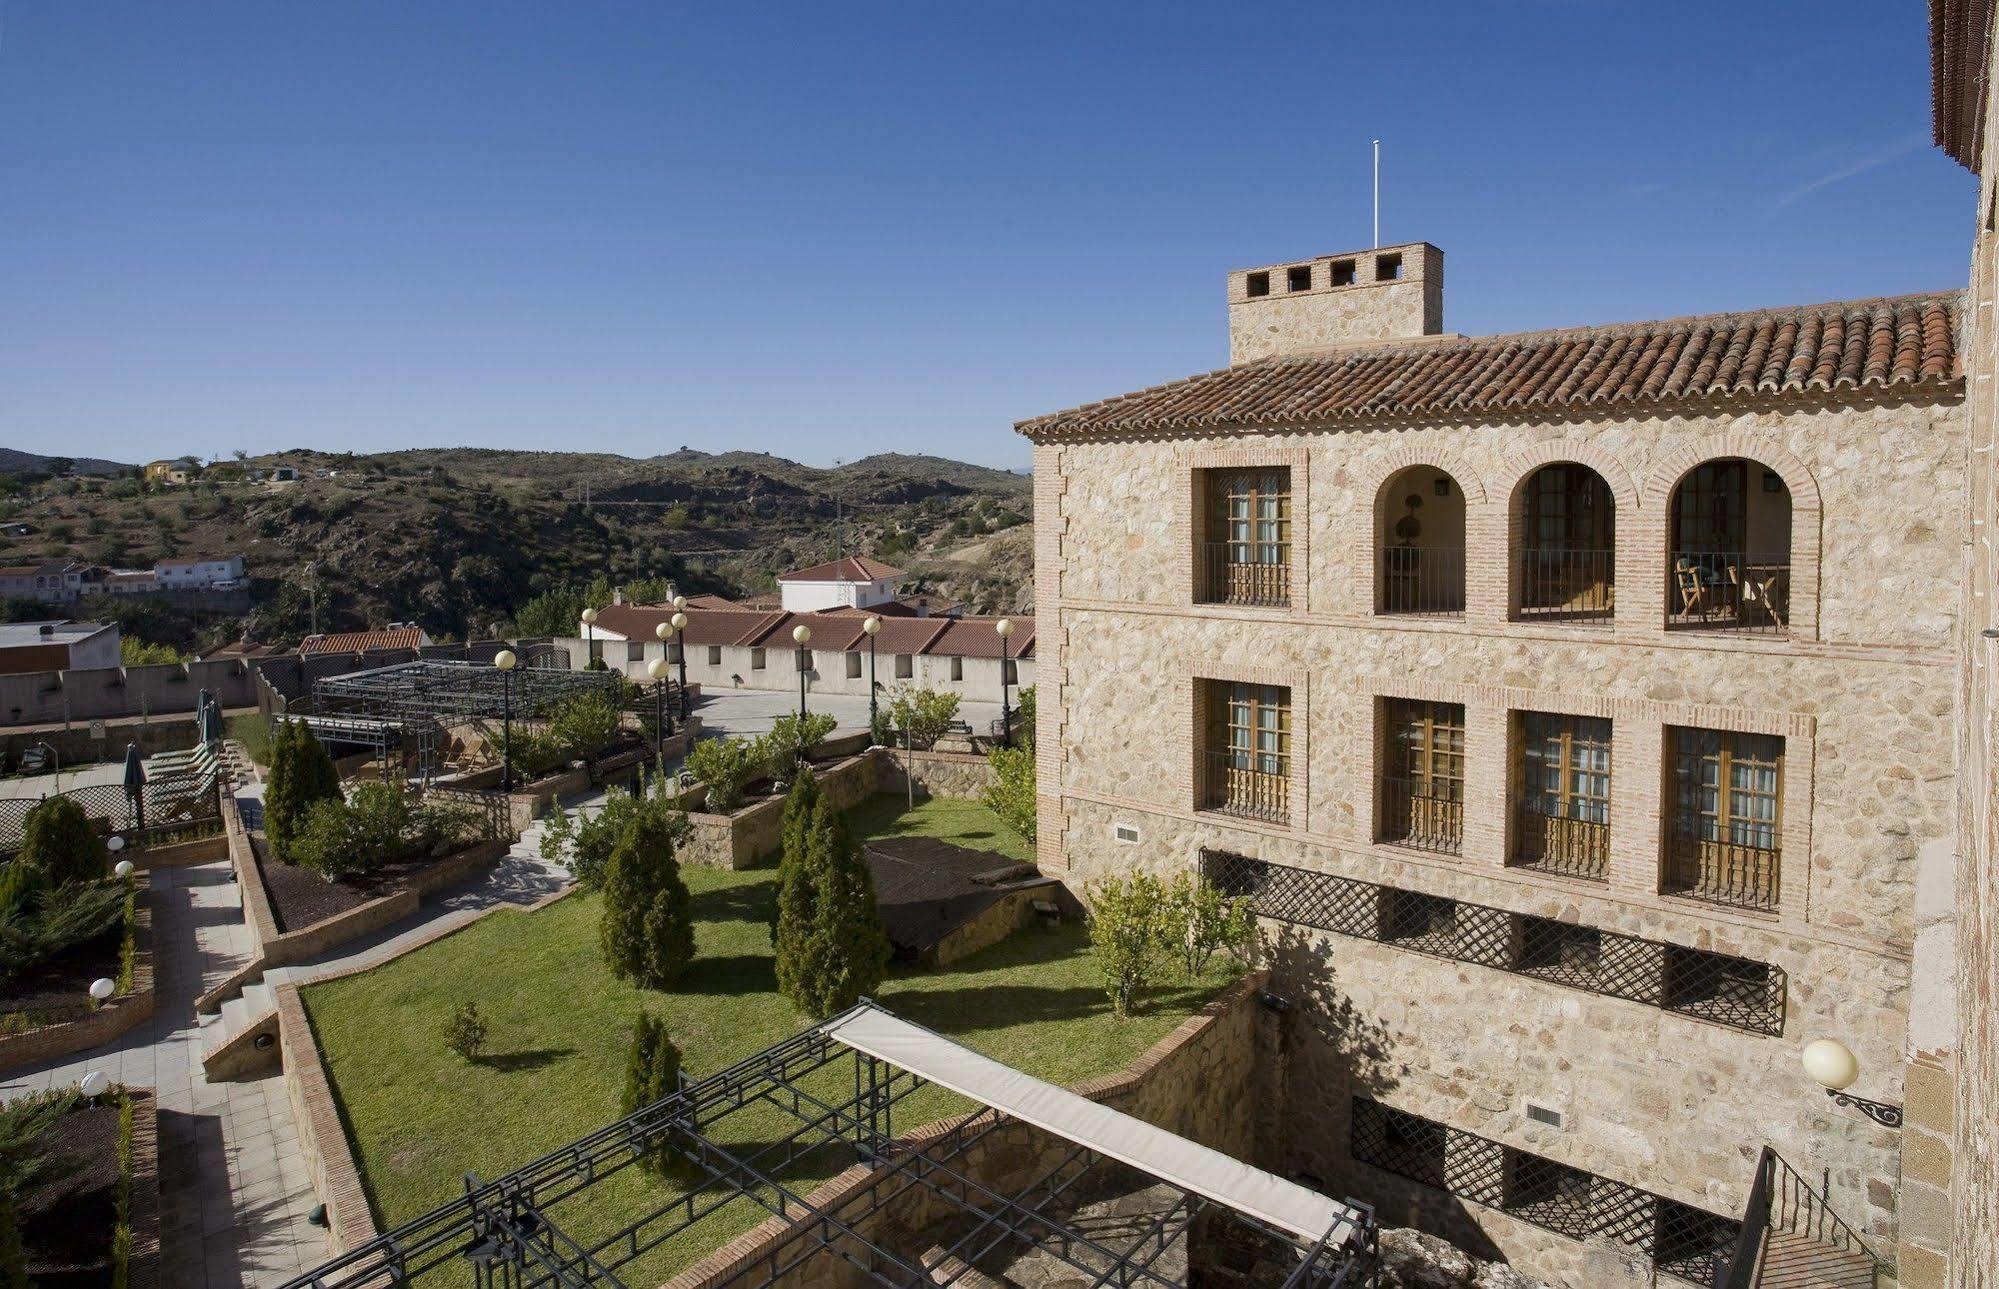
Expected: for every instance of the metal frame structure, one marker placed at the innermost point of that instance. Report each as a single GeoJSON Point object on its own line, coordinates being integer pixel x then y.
{"type": "Point", "coordinates": [506, 1234]}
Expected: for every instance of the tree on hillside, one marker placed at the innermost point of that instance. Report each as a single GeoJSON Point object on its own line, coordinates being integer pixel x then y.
{"type": "Point", "coordinates": [647, 928]}
{"type": "Point", "coordinates": [849, 951]}
{"type": "Point", "coordinates": [302, 775]}
{"type": "Point", "coordinates": [797, 887]}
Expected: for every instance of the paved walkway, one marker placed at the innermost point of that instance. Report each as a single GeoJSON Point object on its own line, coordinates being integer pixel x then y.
{"type": "Point", "coordinates": [751, 711]}
{"type": "Point", "coordinates": [235, 1193]}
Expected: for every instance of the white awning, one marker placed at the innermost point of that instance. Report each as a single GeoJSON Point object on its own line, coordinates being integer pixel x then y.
{"type": "Point", "coordinates": [1192, 1167]}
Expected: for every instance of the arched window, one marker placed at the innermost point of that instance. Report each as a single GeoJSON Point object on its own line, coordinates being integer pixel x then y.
{"type": "Point", "coordinates": [1566, 567]}
{"type": "Point", "coordinates": [1728, 557]}
{"type": "Point", "coordinates": [1420, 544]}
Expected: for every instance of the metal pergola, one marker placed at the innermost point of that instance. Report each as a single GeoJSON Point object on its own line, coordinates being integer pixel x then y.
{"type": "Point", "coordinates": [401, 706]}
{"type": "Point", "coordinates": [837, 1105]}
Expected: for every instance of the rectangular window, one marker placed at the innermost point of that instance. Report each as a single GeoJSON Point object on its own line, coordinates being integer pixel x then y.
{"type": "Point", "coordinates": [674, 652]}
{"type": "Point", "coordinates": [1388, 268]}
{"type": "Point", "coordinates": [1562, 794]}
{"type": "Point", "coordinates": [1343, 273]}
{"type": "Point", "coordinates": [1247, 552]}
{"type": "Point", "coordinates": [757, 659]}
{"type": "Point", "coordinates": [1247, 760]}
{"type": "Point", "coordinates": [714, 655]}
{"type": "Point", "coordinates": [957, 668]}
{"type": "Point", "coordinates": [905, 666]}
{"type": "Point", "coordinates": [1299, 278]}
{"type": "Point", "coordinates": [1256, 285]}
{"type": "Point", "coordinates": [1726, 837]}
{"type": "Point", "coordinates": [1414, 920]}
{"type": "Point", "coordinates": [1423, 779]}
{"type": "Point", "coordinates": [635, 651]}
{"type": "Point", "coordinates": [853, 666]}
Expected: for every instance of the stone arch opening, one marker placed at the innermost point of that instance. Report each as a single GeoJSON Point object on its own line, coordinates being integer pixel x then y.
{"type": "Point", "coordinates": [1565, 548]}
{"type": "Point", "coordinates": [1728, 548]}
{"type": "Point", "coordinates": [1419, 542]}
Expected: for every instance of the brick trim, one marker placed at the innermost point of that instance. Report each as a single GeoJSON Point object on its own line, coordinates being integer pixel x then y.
{"type": "Point", "coordinates": [1626, 561]}
{"type": "Point", "coordinates": [1194, 730]}
{"type": "Point", "coordinates": [1370, 492]}
{"type": "Point", "coordinates": [1186, 533]}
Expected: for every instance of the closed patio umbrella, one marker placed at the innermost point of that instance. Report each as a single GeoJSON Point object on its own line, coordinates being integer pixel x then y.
{"type": "Point", "coordinates": [211, 722]}
{"type": "Point", "coordinates": [135, 782]}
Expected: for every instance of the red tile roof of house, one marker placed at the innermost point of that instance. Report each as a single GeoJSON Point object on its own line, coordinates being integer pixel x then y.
{"type": "Point", "coordinates": [1960, 42]}
{"type": "Point", "coordinates": [851, 568]}
{"type": "Point", "coordinates": [356, 641]}
{"type": "Point", "coordinates": [836, 631]}
{"type": "Point", "coordinates": [1863, 345]}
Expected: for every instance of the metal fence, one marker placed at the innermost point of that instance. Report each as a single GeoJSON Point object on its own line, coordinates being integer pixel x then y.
{"type": "Point", "coordinates": [1245, 573]}
{"type": "Point", "coordinates": [1729, 591]}
{"type": "Point", "coordinates": [1566, 585]}
{"type": "Point", "coordinates": [1234, 785]}
{"type": "Point", "coordinates": [1426, 814]}
{"type": "Point", "coordinates": [1822, 1250]}
{"type": "Point", "coordinates": [1737, 992]}
{"type": "Point", "coordinates": [1680, 1240]}
{"type": "Point", "coordinates": [1559, 844]}
{"type": "Point", "coordinates": [165, 808]}
{"type": "Point", "coordinates": [1423, 581]}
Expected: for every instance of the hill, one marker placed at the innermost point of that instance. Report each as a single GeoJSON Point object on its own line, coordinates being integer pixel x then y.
{"type": "Point", "coordinates": [459, 539]}
{"type": "Point", "coordinates": [16, 462]}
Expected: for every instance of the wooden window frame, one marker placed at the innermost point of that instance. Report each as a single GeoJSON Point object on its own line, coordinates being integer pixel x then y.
{"type": "Point", "coordinates": [1248, 748]}
{"type": "Point", "coordinates": [1247, 535]}
{"type": "Point", "coordinates": [1423, 746]}
{"type": "Point", "coordinates": [1563, 827]}
{"type": "Point", "coordinates": [1716, 852]}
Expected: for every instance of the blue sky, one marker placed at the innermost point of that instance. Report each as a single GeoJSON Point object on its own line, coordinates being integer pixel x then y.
{"type": "Point", "coordinates": [827, 230]}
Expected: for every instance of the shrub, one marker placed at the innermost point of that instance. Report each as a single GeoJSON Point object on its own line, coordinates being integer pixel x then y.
{"type": "Point", "coordinates": [923, 715]}
{"type": "Point", "coordinates": [848, 953]}
{"type": "Point", "coordinates": [1024, 709]}
{"type": "Point", "coordinates": [652, 1074]}
{"type": "Point", "coordinates": [535, 751]}
{"type": "Point", "coordinates": [39, 922]}
{"type": "Point", "coordinates": [25, 1125]}
{"type": "Point", "coordinates": [583, 725]}
{"type": "Point", "coordinates": [647, 930]}
{"type": "Point", "coordinates": [726, 765]}
{"type": "Point", "coordinates": [302, 775]}
{"type": "Point", "coordinates": [1011, 794]}
{"type": "Point", "coordinates": [789, 737]}
{"type": "Point", "coordinates": [1201, 920]}
{"type": "Point", "coordinates": [583, 843]}
{"type": "Point", "coordinates": [442, 827]}
{"type": "Point", "coordinates": [324, 842]}
{"type": "Point", "coordinates": [59, 843]}
{"type": "Point", "coordinates": [465, 1031]}
{"type": "Point", "coordinates": [378, 823]}
{"type": "Point", "coordinates": [1129, 924]}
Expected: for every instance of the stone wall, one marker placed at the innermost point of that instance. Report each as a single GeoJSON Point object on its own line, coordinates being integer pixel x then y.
{"type": "Point", "coordinates": [1860, 689]}
{"type": "Point", "coordinates": [322, 1135]}
{"type": "Point", "coordinates": [937, 774]}
{"type": "Point", "coordinates": [1322, 315]}
{"type": "Point", "coordinates": [755, 831]}
{"type": "Point", "coordinates": [77, 745]}
{"type": "Point", "coordinates": [1198, 1082]}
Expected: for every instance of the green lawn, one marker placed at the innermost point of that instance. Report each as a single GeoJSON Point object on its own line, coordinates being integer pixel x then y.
{"type": "Point", "coordinates": [952, 819]}
{"type": "Point", "coordinates": [420, 1118]}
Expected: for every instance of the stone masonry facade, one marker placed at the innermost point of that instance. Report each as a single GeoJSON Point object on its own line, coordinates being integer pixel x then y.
{"type": "Point", "coordinates": [1860, 687]}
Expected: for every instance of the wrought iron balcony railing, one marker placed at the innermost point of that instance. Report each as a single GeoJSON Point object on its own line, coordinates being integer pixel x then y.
{"type": "Point", "coordinates": [1249, 573]}
{"type": "Point", "coordinates": [1566, 585]}
{"type": "Point", "coordinates": [1723, 872]}
{"type": "Point", "coordinates": [1423, 581]}
{"type": "Point", "coordinates": [1249, 785]}
{"type": "Point", "coordinates": [1558, 844]}
{"type": "Point", "coordinates": [1426, 814]}
{"type": "Point", "coordinates": [1728, 591]}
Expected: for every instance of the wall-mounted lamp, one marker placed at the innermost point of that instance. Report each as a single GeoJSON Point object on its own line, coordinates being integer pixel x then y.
{"type": "Point", "coordinates": [1834, 1067]}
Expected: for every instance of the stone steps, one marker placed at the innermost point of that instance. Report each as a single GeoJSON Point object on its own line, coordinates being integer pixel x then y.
{"type": "Point", "coordinates": [242, 1039]}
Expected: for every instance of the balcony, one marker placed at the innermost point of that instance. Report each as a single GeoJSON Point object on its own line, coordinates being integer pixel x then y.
{"type": "Point", "coordinates": [1723, 872]}
{"type": "Point", "coordinates": [1565, 585]}
{"type": "Point", "coordinates": [1247, 786]}
{"type": "Point", "coordinates": [1422, 581]}
{"type": "Point", "coordinates": [1425, 814]}
{"type": "Point", "coordinates": [1254, 574]}
{"type": "Point", "coordinates": [1713, 591]}
{"type": "Point", "coordinates": [1555, 844]}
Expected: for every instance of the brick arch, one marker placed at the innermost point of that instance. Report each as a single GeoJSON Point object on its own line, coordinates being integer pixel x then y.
{"type": "Point", "coordinates": [1518, 467]}
{"type": "Point", "coordinates": [1807, 511]}
{"type": "Point", "coordinates": [1628, 515]}
{"type": "Point", "coordinates": [1371, 490]}
{"type": "Point", "coordinates": [1436, 457]}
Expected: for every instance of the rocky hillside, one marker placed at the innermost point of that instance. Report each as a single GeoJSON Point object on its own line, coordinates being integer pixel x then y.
{"type": "Point", "coordinates": [459, 539]}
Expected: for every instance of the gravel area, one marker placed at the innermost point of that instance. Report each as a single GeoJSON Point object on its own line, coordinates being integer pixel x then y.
{"type": "Point", "coordinates": [301, 897]}
{"type": "Point", "coordinates": [66, 1216]}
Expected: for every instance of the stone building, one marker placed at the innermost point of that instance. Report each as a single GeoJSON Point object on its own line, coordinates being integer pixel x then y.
{"type": "Point", "coordinates": [1578, 704]}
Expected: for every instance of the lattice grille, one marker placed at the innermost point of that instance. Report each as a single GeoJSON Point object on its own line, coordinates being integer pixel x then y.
{"type": "Point", "coordinates": [1680, 1239]}
{"type": "Point", "coordinates": [1718, 987]}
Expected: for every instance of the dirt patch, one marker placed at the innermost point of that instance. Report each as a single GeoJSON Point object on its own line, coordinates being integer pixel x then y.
{"type": "Point", "coordinates": [67, 1216]}
{"type": "Point", "coordinates": [301, 897]}
{"type": "Point", "coordinates": [58, 990]}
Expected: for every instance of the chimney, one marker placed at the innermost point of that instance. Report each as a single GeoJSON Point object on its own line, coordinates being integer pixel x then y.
{"type": "Point", "coordinates": [1336, 301]}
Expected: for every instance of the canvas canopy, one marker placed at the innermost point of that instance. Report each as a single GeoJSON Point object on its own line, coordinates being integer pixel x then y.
{"type": "Point", "coordinates": [1186, 1164]}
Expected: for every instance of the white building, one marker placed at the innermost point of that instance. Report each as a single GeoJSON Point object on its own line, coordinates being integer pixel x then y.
{"type": "Point", "coordinates": [200, 573]}
{"type": "Point", "coordinates": [851, 582]}
{"type": "Point", "coordinates": [57, 645]}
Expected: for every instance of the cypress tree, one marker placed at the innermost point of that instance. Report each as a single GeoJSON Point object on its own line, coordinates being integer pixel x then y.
{"type": "Point", "coordinates": [302, 775]}
{"type": "Point", "coordinates": [58, 843]}
{"type": "Point", "coordinates": [797, 900]}
{"type": "Point", "coordinates": [652, 1073]}
{"type": "Point", "coordinates": [647, 928]}
{"type": "Point", "coordinates": [849, 950]}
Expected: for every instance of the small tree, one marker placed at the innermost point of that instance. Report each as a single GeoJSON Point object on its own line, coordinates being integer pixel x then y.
{"type": "Point", "coordinates": [1129, 924]}
{"type": "Point", "coordinates": [647, 929]}
{"type": "Point", "coordinates": [1202, 921]}
{"type": "Point", "coordinates": [585, 724]}
{"type": "Point", "coordinates": [652, 1074]}
{"type": "Point", "coordinates": [790, 736]}
{"type": "Point", "coordinates": [922, 714]}
{"type": "Point", "coordinates": [726, 765]}
{"type": "Point", "coordinates": [58, 842]}
{"type": "Point", "coordinates": [849, 951]}
{"type": "Point", "coordinates": [302, 773]}
{"type": "Point", "coordinates": [1011, 793]}
{"type": "Point", "coordinates": [465, 1031]}
{"type": "Point", "coordinates": [797, 889]}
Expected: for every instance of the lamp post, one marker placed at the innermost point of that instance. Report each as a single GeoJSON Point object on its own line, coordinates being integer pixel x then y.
{"type": "Point", "coordinates": [1005, 628]}
{"type": "Point", "coordinates": [589, 639]}
{"type": "Point", "coordinates": [504, 660]}
{"type": "Point", "coordinates": [873, 627]}
{"type": "Point", "coordinates": [1833, 1066]}
{"type": "Point", "coordinates": [657, 670]}
{"type": "Point", "coordinates": [801, 635]}
{"type": "Point", "coordinates": [679, 621]}
{"type": "Point", "coordinates": [662, 631]}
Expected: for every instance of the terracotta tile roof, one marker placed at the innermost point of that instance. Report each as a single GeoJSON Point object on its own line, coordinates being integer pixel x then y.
{"type": "Point", "coordinates": [851, 568]}
{"type": "Point", "coordinates": [835, 631]}
{"type": "Point", "coordinates": [1867, 344]}
{"type": "Point", "coordinates": [1960, 37]}
{"type": "Point", "coordinates": [975, 638]}
{"type": "Point", "coordinates": [356, 641]}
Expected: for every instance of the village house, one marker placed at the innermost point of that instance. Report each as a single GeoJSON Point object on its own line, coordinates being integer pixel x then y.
{"type": "Point", "coordinates": [396, 635]}
{"type": "Point", "coordinates": [200, 573]}
{"type": "Point", "coordinates": [57, 645]}
{"type": "Point", "coordinates": [1576, 704]}
{"type": "Point", "coordinates": [175, 473]}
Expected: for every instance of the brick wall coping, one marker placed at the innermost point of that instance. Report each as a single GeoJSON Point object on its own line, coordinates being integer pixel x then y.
{"type": "Point", "coordinates": [749, 809]}
{"type": "Point", "coordinates": [753, 1245]}
{"type": "Point", "coordinates": [119, 1014]}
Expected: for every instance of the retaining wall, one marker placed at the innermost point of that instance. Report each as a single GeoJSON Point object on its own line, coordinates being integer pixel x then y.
{"type": "Point", "coordinates": [754, 832]}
